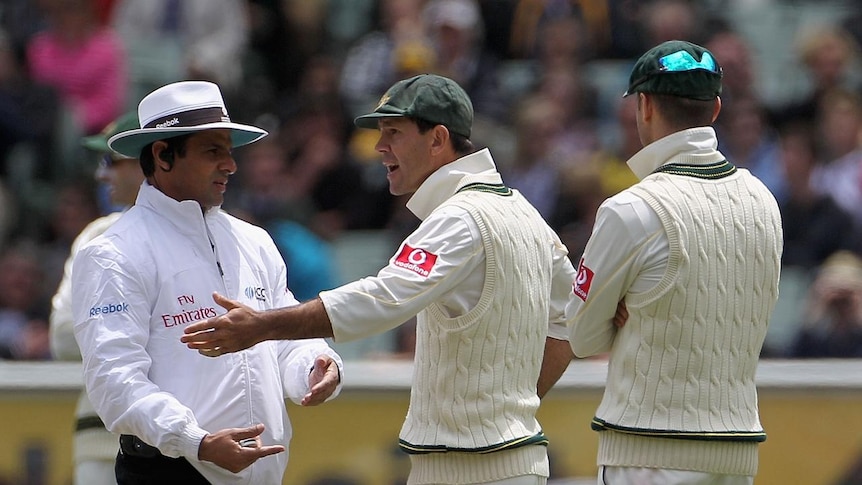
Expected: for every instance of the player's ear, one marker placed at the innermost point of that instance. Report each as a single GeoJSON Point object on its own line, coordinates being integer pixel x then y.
{"type": "Point", "coordinates": [716, 109]}
{"type": "Point", "coordinates": [440, 137]}
{"type": "Point", "coordinates": [645, 107]}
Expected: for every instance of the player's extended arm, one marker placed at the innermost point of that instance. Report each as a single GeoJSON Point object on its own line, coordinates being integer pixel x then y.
{"type": "Point", "coordinates": [242, 327]}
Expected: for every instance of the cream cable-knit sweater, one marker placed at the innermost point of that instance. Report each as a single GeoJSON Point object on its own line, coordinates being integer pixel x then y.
{"type": "Point", "coordinates": [686, 370]}
{"type": "Point", "coordinates": [478, 372]}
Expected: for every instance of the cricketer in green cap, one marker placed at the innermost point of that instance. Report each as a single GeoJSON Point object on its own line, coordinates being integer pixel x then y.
{"type": "Point", "coordinates": [428, 97]}
{"type": "Point", "coordinates": [677, 68]}
{"type": "Point", "coordinates": [99, 142]}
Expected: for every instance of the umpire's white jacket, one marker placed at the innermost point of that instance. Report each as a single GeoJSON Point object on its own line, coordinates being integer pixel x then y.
{"type": "Point", "coordinates": [137, 286]}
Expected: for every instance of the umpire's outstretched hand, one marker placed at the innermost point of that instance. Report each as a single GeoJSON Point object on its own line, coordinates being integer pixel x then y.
{"type": "Point", "coordinates": [322, 381]}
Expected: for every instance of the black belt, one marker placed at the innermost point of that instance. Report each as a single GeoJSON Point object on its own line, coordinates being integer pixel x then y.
{"type": "Point", "coordinates": [133, 446]}
{"type": "Point", "coordinates": [139, 463]}
{"type": "Point", "coordinates": [88, 422]}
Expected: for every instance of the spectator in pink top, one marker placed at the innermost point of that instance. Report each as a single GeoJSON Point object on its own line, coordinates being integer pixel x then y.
{"type": "Point", "coordinates": [82, 60]}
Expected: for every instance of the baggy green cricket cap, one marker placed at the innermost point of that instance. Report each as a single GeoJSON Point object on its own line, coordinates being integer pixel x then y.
{"type": "Point", "coordinates": [428, 97]}
{"type": "Point", "coordinates": [99, 141]}
{"type": "Point", "coordinates": [677, 68]}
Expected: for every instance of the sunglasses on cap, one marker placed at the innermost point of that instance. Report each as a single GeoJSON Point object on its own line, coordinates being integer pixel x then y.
{"type": "Point", "coordinates": [681, 61]}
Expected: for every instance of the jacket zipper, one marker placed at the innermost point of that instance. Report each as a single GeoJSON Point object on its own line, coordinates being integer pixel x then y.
{"type": "Point", "coordinates": [242, 355]}
{"type": "Point", "coordinates": [214, 250]}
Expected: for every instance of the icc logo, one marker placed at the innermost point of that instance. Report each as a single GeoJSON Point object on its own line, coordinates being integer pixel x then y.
{"type": "Point", "coordinates": [255, 292]}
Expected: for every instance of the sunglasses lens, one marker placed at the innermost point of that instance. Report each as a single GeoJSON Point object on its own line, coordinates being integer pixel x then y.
{"type": "Point", "coordinates": [682, 61]}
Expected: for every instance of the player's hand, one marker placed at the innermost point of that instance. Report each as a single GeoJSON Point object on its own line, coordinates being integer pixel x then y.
{"type": "Point", "coordinates": [322, 381]}
{"type": "Point", "coordinates": [225, 450]}
{"type": "Point", "coordinates": [230, 332]}
{"type": "Point", "coordinates": [621, 315]}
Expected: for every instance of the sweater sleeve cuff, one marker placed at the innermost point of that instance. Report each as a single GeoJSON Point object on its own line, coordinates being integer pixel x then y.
{"type": "Point", "coordinates": [190, 441]}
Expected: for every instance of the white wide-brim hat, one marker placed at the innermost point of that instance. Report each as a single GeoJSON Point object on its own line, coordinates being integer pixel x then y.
{"type": "Point", "coordinates": [178, 109]}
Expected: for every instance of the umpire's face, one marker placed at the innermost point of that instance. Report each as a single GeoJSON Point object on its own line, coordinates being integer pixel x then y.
{"type": "Point", "coordinates": [408, 155]}
{"type": "Point", "coordinates": [201, 174]}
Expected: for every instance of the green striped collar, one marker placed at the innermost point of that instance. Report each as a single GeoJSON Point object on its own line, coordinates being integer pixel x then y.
{"type": "Point", "coordinates": [498, 189]}
{"type": "Point", "coordinates": [710, 171]}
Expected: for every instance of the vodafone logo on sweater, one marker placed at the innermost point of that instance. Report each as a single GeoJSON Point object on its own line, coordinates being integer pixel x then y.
{"type": "Point", "coordinates": [417, 260]}
{"type": "Point", "coordinates": [583, 281]}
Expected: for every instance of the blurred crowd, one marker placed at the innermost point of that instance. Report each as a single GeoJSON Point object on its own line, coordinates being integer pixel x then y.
{"type": "Point", "coordinates": [545, 77]}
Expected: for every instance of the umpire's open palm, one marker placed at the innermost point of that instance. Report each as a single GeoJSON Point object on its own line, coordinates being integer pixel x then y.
{"type": "Point", "coordinates": [322, 381]}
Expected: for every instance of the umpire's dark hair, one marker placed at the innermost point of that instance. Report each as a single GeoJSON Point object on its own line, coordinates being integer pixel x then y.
{"type": "Point", "coordinates": [461, 144]}
{"type": "Point", "coordinates": [176, 147]}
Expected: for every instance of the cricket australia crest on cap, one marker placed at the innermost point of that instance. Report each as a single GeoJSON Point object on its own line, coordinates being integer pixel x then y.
{"type": "Point", "coordinates": [583, 281]}
{"type": "Point", "coordinates": [383, 100]}
{"type": "Point", "coordinates": [417, 260]}
{"type": "Point", "coordinates": [429, 97]}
